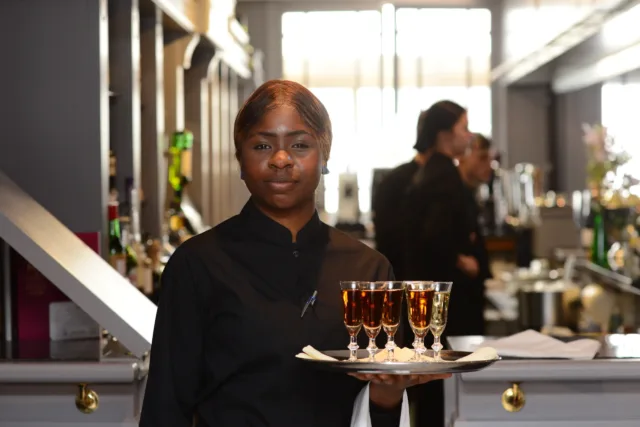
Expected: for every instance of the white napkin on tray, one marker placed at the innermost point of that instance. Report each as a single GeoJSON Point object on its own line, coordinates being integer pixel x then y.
{"type": "Point", "coordinates": [533, 344]}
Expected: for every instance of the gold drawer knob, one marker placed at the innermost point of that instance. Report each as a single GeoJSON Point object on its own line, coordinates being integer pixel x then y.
{"type": "Point", "coordinates": [87, 400]}
{"type": "Point", "coordinates": [513, 399]}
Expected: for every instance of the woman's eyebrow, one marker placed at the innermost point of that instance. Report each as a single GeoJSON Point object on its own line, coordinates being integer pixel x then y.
{"type": "Point", "coordinates": [292, 133]}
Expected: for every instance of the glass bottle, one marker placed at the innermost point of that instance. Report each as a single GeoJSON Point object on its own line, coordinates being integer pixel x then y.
{"type": "Point", "coordinates": [117, 252]}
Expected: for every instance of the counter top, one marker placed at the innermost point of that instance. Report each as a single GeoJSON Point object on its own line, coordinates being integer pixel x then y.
{"type": "Point", "coordinates": [618, 359]}
{"type": "Point", "coordinates": [95, 361]}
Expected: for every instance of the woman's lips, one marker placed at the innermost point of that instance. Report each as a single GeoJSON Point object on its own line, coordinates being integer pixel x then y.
{"type": "Point", "coordinates": [281, 184]}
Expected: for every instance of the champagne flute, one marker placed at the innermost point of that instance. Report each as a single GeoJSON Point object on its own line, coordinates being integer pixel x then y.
{"type": "Point", "coordinates": [352, 303]}
{"type": "Point", "coordinates": [372, 305]}
{"type": "Point", "coordinates": [439, 313]}
{"type": "Point", "coordinates": [391, 313]}
{"type": "Point", "coordinates": [419, 304]}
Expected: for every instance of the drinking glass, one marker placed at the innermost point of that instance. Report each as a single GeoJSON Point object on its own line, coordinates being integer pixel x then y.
{"type": "Point", "coordinates": [391, 313]}
{"type": "Point", "coordinates": [352, 302]}
{"type": "Point", "coordinates": [372, 305]}
{"type": "Point", "coordinates": [419, 304]}
{"type": "Point", "coordinates": [439, 312]}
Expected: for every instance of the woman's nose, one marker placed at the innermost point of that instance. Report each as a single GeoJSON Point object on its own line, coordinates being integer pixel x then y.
{"type": "Point", "coordinates": [281, 159]}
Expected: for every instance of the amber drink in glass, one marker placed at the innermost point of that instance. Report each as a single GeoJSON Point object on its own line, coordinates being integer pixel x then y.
{"type": "Point", "coordinates": [419, 305]}
{"type": "Point", "coordinates": [391, 313]}
{"type": "Point", "coordinates": [352, 303]}
{"type": "Point", "coordinates": [372, 307]}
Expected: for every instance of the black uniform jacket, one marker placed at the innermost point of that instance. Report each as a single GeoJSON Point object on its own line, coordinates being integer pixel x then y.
{"type": "Point", "coordinates": [228, 327]}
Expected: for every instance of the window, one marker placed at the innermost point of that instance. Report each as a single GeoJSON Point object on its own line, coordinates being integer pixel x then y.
{"type": "Point", "coordinates": [442, 54]}
{"type": "Point", "coordinates": [620, 106]}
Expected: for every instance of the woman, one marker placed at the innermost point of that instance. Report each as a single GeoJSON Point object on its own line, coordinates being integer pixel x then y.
{"type": "Point", "coordinates": [230, 319]}
{"type": "Point", "coordinates": [438, 242]}
{"type": "Point", "coordinates": [438, 231]}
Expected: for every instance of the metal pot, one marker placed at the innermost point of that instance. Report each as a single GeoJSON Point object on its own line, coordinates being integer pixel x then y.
{"type": "Point", "coordinates": [545, 303]}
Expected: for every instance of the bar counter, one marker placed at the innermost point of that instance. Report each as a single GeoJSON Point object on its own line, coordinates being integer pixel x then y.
{"type": "Point", "coordinates": [603, 392]}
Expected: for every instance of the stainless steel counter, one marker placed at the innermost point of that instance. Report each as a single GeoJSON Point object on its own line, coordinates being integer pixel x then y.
{"type": "Point", "coordinates": [601, 392]}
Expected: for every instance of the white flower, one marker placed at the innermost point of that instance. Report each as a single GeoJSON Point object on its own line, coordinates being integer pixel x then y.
{"type": "Point", "coordinates": [594, 135]}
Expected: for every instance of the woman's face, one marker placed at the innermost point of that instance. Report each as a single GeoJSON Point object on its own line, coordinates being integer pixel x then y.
{"type": "Point", "coordinates": [460, 135]}
{"type": "Point", "coordinates": [281, 161]}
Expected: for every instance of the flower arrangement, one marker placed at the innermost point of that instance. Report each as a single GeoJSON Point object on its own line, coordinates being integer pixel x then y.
{"type": "Point", "coordinates": [602, 160]}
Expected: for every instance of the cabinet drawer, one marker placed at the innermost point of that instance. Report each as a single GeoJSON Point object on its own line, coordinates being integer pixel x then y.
{"type": "Point", "coordinates": [550, 401]}
{"type": "Point", "coordinates": [31, 404]}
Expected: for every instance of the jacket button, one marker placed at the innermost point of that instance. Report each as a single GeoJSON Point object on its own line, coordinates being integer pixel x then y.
{"type": "Point", "coordinates": [296, 254]}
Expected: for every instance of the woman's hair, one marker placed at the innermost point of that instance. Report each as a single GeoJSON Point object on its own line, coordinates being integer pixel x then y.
{"type": "Point", "coordinates": [441, 116]}
{"type": "Point", "coordinates": [482, 142]}
{"type": "Point", "coordinates": [276, 93]}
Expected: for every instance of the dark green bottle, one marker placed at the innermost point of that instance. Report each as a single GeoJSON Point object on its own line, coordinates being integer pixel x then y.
{"type": "Point", "coordinates": [179, 168]}
{"type": "Point", "coordinates": [117, 252]}
{"type": "Point", "coordinates": [599, 244]}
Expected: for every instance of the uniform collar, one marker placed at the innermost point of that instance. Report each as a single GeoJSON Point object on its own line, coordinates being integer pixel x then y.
{"type": "Point", "coordinates": [314, 232]}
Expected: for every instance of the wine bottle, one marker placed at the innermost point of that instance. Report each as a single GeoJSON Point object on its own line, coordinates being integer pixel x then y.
{"type": "Point", "coordinates": [180, 146]}
{"type": "Point", "coordinates": [117, 252]}
{"type": "Point", "coordinates": [132, 256]}
{"type": "Point", "coordinates": [179, 171]}
{"type": "Point", "coordinates": [599, 243]}
{"type": "Point", "coordinates": [113, 190]}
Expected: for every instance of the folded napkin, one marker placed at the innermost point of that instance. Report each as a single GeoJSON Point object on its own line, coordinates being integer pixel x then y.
{"type": "Point", "coordinates": [481, 354]}
{"type": "Point", "coordinates": [533, 344]}
{"type": "Point", "coordinates": [311, 353]}
{"type": "Point", "coordinates": [401, 355]}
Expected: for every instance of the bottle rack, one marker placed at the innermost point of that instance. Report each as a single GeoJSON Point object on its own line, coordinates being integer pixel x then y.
{"type": "Point", "coordinates": [122, 75]}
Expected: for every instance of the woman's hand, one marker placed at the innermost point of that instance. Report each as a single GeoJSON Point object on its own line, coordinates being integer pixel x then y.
{"type": "Point", "coordinates": [386, 390]}
{"type": "Point", "coordinates": [469, 265]}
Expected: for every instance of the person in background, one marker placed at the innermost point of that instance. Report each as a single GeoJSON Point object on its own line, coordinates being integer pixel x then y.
{"type": "Point", "coordinates": [437, 231]}
{"type": "Point", "coordinates": [231, 318]}
{"type": "Point", "coordinates": [390, 194]}
{"type": "Point", "coordinates": [436, 222]}
{"type": "Point", "coordinates": [475, 169]}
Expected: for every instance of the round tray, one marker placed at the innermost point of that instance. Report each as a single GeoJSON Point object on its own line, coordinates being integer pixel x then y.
{"type": "Point", "coordinates": [448, 366]}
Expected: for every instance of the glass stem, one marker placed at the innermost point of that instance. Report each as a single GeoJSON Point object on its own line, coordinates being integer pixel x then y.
{"type": "Point", "coordinates": [436, 347]}
{"type": "Point", "coordinates": [353, 347]}
{"type": "Point", "coordinates": [418, 346]}
{"type": "Point", "coordinates": [390, 346]}
{"type": "Point", "coordinates": [372, 349]}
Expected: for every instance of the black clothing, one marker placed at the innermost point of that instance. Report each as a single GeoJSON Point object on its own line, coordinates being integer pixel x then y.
{"type": "Point", "coordinates": [440, 226]}
{"type": "Point", "coordinates": [437, 230]}
{"type": "Point", "coordinates": [228, 327]}
{"type": "Point", "coordinates": [387, 217]}
{"type": "Point", "coordinates": [479, 246]}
